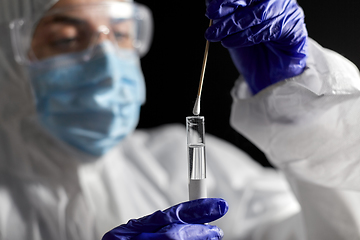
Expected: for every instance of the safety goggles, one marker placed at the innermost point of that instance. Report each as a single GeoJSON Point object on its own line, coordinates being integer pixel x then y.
{"type": "Point", "coordinates": [82, 27]}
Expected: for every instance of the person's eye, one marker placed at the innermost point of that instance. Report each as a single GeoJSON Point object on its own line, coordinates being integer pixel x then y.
{"type": "Point", "coordinates": [121, 35]}
{"type": "Point", "coordinates": [123, 39]}
{"type": "Point", "coordinates": [64, 37]}
{"type": "Point", "coordinates": [64, 42]}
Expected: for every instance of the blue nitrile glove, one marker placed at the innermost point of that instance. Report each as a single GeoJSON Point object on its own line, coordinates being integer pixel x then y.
{"type": "Point", "coordinates": [182, 221]}
{"type": "Point", "coordinates": [267, 39]}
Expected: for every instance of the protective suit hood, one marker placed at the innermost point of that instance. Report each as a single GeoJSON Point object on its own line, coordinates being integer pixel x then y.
{"type": "Point", "coordinates": [12, 9]}
{"type": "Point", "coordinates": [16, 101]}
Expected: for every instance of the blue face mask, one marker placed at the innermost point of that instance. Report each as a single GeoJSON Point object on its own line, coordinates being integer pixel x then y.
{"type": "Point", "coordinates": [91, 104]}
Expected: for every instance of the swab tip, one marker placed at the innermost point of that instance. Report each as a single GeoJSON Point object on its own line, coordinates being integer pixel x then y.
{"type": "Point", "coordinates": [196, 110]}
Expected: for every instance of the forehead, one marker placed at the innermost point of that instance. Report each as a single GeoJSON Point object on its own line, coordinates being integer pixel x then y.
{"type": "Point", "coordinates": [64, 3]}
{"type": "Point", "coordinates": [85, 9]}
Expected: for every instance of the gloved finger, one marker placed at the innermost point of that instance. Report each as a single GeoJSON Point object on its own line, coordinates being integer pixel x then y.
{"type": "Point", "coordinates": [245, 18]}
{"type": "Point", "coordinates": [269, 31]}
{"type": "Point", "coordinates": [219, 8]}
{"type": "Point", "coordinates": [184, 231]}
{"type": "Point", "coordinates": [196, 211]}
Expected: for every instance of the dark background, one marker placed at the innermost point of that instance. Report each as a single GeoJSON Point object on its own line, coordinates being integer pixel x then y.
{"type": "Point", "coordinates": [172, 67]}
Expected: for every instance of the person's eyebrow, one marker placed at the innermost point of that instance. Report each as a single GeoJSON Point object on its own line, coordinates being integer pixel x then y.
{"type": "Point", "coordinates": [67, 20]}
{"type": "Point", "coordinates": [120, 20]}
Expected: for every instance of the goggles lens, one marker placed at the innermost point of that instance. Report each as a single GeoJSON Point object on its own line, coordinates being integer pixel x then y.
{"type": "Point", "coordinates": [80, 27]}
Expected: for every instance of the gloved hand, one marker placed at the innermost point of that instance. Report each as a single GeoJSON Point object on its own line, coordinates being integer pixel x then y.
{"type": "Point", "coordinates": [182, 221]}
{"type": "Point", "coordinates": [267, 39]}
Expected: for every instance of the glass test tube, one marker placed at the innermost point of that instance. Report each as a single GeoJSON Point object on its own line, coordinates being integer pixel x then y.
{"type": "Point", "coordinates": [195, 127]}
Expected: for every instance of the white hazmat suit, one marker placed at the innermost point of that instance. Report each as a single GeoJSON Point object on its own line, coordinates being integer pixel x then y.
{"type": "Point", "coordinates": [305, 125]}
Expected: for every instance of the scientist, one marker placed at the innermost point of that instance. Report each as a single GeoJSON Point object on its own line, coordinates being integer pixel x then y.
{"type": "Point", "coordinates": [72, 165]}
